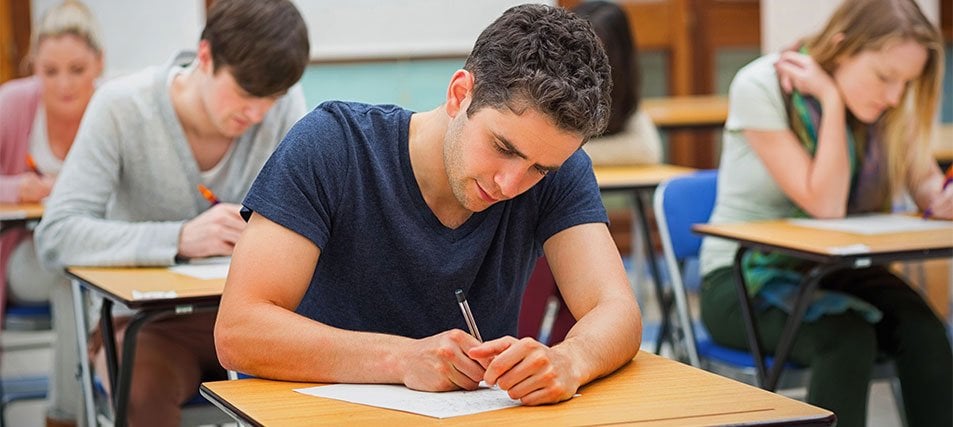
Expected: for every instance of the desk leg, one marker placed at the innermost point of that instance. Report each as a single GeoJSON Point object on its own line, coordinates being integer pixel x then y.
{"type": "Point", "coordinates": [108, 333]}
{"type": "Point", "coordinates": [768, 380]}
{"type": "Point", "coordinates": [82, 331]}
{"type": "Point", "coordinates": [124, 381]}
{"type": "Point", "coordinates": [747, 314]}
{"type": "Point", "coordinates": [793, 323]}
{"type": "Point", "coordinates": [664, 301]}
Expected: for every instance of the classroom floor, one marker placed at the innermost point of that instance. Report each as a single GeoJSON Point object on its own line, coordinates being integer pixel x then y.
{"type": "Point", "coordinates": [30, 357]}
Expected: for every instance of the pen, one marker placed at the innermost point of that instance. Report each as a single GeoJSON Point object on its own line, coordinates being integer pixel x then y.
{"type": "Point", "coordinates": [467, 315]}
{"type": "Point", "coordinates": [208, 194]}
{"type": "Point", "coordinates": [30, 163]}
{"type": "Point", "coordinates": [948, 178]}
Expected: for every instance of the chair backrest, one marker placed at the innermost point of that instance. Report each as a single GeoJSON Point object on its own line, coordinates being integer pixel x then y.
{"type": "Point", "coordinates": [679, 203]}
{"type": "Point", "coordinates": [684, 201]}
{"type": "Point", "coordinates": [27, 317]}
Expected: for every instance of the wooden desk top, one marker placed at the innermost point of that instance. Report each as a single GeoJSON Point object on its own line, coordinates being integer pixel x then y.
{"type": "Point", "coordinates": [119, 283]}
{"type": "Point", "coordinates": [14, 212]}
{"type": "Point", "coordinates": [783, 234]}
{"type": "Point", "coordinates": [651, 391]}
{"type": "Point", "coordinates": [687, 111]}
{"type": "Point", "coordinates": [636, 176]}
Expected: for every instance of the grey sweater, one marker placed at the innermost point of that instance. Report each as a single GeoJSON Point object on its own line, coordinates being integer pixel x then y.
{"type": "Point", "coordinates": [130, 180]}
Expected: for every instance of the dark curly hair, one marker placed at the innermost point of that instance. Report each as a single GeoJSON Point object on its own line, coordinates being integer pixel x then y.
{"type": "Point", "coordinates": [611, 25]}
{"type": "Point", "coordinates": [264, 44]}
{"type": "Point", "coordinates": [544, 58]}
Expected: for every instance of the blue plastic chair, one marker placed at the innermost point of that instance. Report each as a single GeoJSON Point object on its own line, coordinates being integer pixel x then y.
{"type": "Point", "coordinates": [680, 203]}
{"type": "Point", "coordinates": [33, 387]}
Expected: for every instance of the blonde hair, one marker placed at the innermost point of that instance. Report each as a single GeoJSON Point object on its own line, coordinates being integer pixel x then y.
{"type": "Point", "coordinates": [865, 25]}
{"type": "Point", "coordinates": [69, 17]}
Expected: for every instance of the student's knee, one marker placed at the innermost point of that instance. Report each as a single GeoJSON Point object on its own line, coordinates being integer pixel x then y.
{"type": "Point", "coordinates": [923, 334]}
{"type": "Point", "coordinates": [155, 395]}
{"type": "Point", "coordinates": [843, 339]}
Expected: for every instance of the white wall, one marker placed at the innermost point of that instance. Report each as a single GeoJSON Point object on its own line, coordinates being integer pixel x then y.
{"type": "Point", "coordinates": [785, 21]}
{"type": "Point", "coordinates": [345, 29]}
{"type": "Point", "coordinates": [139, 33]}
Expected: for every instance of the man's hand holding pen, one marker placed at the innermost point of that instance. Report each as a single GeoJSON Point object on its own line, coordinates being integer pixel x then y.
{"type": "Point", "coordinates": [212, 233]}
{"type": "Point", "coordinates": [441, 363]}
{"type": "Point", "coordinates": [528, 370]}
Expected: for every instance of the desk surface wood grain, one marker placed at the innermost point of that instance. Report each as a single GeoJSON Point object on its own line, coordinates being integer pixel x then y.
{"type": "Point", "coordinates": [20, 211]}
{"type": "Point", "coordinates": [687, 111]}
{"type": "Point", "coordinates": [636, 176]}
{"type": "Point", "coordinates": [649, 391]}
{"type": "Point", "coordinates": [785, 234]}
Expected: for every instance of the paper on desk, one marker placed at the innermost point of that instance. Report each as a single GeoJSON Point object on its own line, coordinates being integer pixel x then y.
{"type": "Point", "coordinates": [876, 224]}
{"type": "Point", "coordinates": [437, 405]}
{"type": "Point", "coordinates": [207, 268]}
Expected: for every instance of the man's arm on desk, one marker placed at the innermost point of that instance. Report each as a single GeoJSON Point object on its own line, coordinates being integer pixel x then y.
{"type": "Point", "coordinates": [258, 333]}
{"type": "Point", "coordinates": [592, 281]}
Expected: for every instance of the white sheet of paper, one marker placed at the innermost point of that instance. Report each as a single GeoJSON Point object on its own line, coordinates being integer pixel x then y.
{"type": "Point", "coordinates": [437, 405]}
{"type": "Point", "coordinates": [205, 269]}
{"type": "Point", "coordinates": [876, 224]}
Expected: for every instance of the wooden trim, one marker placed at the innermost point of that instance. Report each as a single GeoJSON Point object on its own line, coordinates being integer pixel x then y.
{"type": "Point", "coordinates": [6, 38]}
{"type": "Point", "coordinates": [15, 27]}
{"type": "Point", "coordinates": [568, 4]}
{"type": "Point", "coordinates": [946, 20]}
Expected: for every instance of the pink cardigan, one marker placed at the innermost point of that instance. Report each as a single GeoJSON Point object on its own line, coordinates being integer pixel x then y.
{"type": "Point", "coordinates": [18, 102]}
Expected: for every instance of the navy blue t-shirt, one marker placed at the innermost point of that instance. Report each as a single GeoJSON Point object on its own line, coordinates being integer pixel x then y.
{"type": "Point", "coordinates": [342, 178]}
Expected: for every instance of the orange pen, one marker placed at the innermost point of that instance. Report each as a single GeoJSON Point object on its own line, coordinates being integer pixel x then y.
{"type": "Point", "coordinates": [208, 194]}
{"type": "Point", "coordinates": [30, 163]}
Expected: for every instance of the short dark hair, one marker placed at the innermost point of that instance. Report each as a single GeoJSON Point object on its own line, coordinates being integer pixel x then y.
{"type": "Point", "coordinates": [263, 43]}
{"type": "Point", "coordinates": [546, 58]}
{"type": "Point", "coordinates": [611, 25]}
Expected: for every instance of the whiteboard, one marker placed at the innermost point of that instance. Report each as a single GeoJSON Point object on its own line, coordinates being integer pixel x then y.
{"type": "Point", "coordinates": [368, 29]}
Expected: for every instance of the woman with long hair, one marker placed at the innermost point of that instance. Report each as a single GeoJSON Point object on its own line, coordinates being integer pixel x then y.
{"type": "Point", "coordinates": [838, 125]}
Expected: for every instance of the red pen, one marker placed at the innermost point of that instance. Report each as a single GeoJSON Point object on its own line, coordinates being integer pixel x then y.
{"type": "Point", "coordinates": [30, 163]}
{"type": "Point", "coordinates": [208, 194]}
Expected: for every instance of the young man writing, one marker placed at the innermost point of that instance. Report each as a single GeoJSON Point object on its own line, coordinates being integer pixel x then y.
{"type": "Point", "coordinates": [128, 194]}
{"type": "Point", "coordinates": [368, 218]}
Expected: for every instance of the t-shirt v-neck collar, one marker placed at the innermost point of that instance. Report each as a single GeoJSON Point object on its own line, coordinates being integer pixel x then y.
{"type": "Point", "coordinates": [425, 213]}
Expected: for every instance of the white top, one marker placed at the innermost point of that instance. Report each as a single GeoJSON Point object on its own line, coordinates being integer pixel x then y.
{"type": "Point", "coordinates": [746, 191]}
{"type": "Point", "coordinates": [46, 162]}
{"type": "Point", "coordinates": [638, 143]}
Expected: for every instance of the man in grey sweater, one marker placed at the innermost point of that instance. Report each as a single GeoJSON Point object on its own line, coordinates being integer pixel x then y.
{"type": "Point", "coordinates": [128, 193]}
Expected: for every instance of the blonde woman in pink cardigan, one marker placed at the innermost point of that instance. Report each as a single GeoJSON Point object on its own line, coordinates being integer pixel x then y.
{"type": "Point", "coordinates": [39, 117]}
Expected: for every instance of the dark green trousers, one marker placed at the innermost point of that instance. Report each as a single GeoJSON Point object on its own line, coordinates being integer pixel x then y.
{"type": "Point", "coordinates": [840, 349]}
